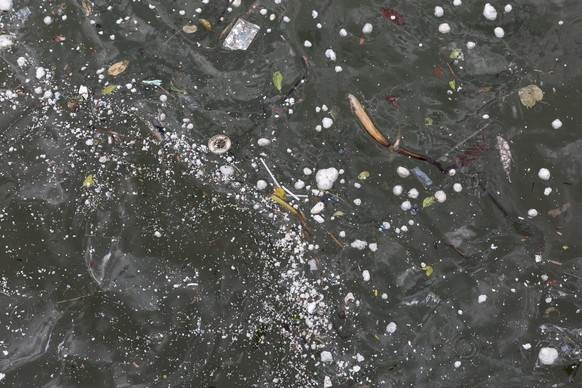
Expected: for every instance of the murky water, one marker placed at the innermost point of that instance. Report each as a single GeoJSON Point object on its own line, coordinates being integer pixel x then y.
{"type": "Point", "coordinates": [133, 256]}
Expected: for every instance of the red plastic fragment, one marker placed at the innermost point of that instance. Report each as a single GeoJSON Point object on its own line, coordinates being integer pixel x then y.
{"type": "Point", "coordinates": [437, 71]}
{"type": "Point", "coordinates": [392, 100]}
{"type": "Point", "coordinates": [392, 15]}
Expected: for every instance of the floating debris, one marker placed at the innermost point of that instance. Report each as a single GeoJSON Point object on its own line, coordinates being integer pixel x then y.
{"type": "Point", "coordinates": [530, 94]}
{"type": "Point", "coordinates": [504, 155]}
{"type": "Point", "coordinates": [241, 35]}
{"type": "Point", "coordinates": [219, 144]}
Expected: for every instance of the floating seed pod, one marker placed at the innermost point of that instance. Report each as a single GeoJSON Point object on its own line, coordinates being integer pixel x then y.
{"type": "Point", "coordinates": [219, 144]}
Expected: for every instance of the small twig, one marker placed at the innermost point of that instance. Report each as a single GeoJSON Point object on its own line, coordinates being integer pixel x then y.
{"type": "Point", "coordinates": [574, 276]}
{"type": "Point", "coordinates": [338, 242]}
{"type": "Point", "coordinates": [76, 298]}
{"type": "Point", "coordinates": [452, 72]}
{"type": "Point", "coordinates": [464, 140]}
{"type": "Point", "coordinates": [554, 262]}
{"type": "Point", "coordinates": [270, 173]}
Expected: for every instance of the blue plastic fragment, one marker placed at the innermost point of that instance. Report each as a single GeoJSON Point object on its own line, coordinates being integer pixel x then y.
{"type": "Point", "coordinates": [422, 177]}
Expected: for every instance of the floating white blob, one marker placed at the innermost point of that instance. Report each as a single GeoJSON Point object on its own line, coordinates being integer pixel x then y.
{"type": "Point", "coordinates": [402, 172]}
{"type": "Point", "coordinates": [263, 142]}
{"type": "Point", "coordinates": [508, 8]}
{"type": "Point", "coordinates": [452, 172]}
{"type": "Point", "coordinates": [373, 247]}
{"type": "Point", "coordinates": [444, 28]}
{"type": "Point", "coordinates": [47, 20]}
{"type": "Point", "coordinates": [439, 11]}
{"type": "Point", "coordinates": [261, 184]}
{"type": "Point", "coordinates": [327, 122]}
{"type": "Point", "coordinates": [531, 213]}
{"type": "Point", "coordinates": [326, 177]}
{"type": "Point", "coordinates": [557, 123]}
{"type": "Point", "coordinates": [314, 14]}
{"type": "Point", "coordinates": [457, 364]}
{"type": "Point", "coordinates": [406, 205]}
{"type": "Point", "coordinates": [368, 27]}
{"type": "Point", "coordinates": [326, 356]}
{"type": "Point", "coordinates": [544, 174]}
{"type": "Point", "coordinates": [397, 190]}
{"type": "Point", "coordinates": [359, 244]}
{"type": "Point", "coordinates": [471, 45]}
{"type": "Point", "coordinates": [526, 346]}
{"type": "Point", "coordinates": [547, 191]}
{"type": "Point", "coordinates": [319, 219]}
{"type": "Point", "coordinates": [548, 356]}
{"type": "Point", "coordinates": [338, 69]}
{"type": "Point", "coordinates": [482, 298]}
{"type": "Point", "coordinates": [391, 328]}
{"type": "Point", "coordinates": [163, 98]}
{"type": "Point", "coordinates": [457, 187]}
{"type": "Point", "coordinates": [307, 171]}
{"type": "Point", "coordinates": [227, 171]}
{"type": "Point", "coordinates": [343, 33]}
{"type": "Point", "coordinates": [330, 54]}
{"type": "Point", "coordinates": [366, 275]}
{"type": "Point", "coordinates": [489, 12]}
{"type": "Point", "coordinates": [413, 193]}
{"type": "Point", "coordinates": [357, 201]}
{"type": "Point", "coordinates": [499, 32]}
{"type": "Point", "coordinates": [457, 3]}
{"type": "Point", "coordinates": [6, 41]}
{"type": "Point", "coordinates": [299, 184]}
{"type": "Point", "coordinates": [440, 196]}
{"type": "Point", "coordinates": [5, 5]}
{"type": "Point", "coordinates": [40, 72]}
{"type": "Point", "coordinates": [307, 43]}
{"type": "Point", "coordinates": [318, 208]}
{"type": "Point", "coordinates": [21, 61]}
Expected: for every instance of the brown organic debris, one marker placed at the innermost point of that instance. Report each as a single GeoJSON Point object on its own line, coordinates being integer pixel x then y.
{"type": "Point", "coordinates": [117, 68]}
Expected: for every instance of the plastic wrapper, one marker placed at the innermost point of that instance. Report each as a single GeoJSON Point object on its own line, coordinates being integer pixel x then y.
{"type": "Point", "coordinates": [241, 35]}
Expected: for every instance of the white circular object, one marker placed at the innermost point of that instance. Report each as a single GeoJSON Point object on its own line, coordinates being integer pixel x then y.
{"type": "Point", "coordinates": [47, 20]}
{"type": "Point", "coordinates": [261, 184]}
{"type": "Point", "coordinates": [263, 142]}
{"type": "Point", "coordinates": [531, 213]}
{"type": "Point", "coordinates": [457, 187]}
{"type": "Point", "coordinates": [547, 191]}
{"type": "Point", "coordinates": [499, 32]}
{"type": "Point", "coordinates": [444, 28]}
{"type": "Point", "coordinates": [327, 122]}
{"type": "Point", "coordinates": [457, 3]}
{"type": "Point", "coordinates": [406, 205]}
{"type": "Point", "coordinates": [457, 364]}
{"type": "Point", "coordinates": [299, 184]}
{"type": "Point", "coordinates": [397, 190]}
{"type": "Point", "coordinates": [544, 174]}
{"type": "Point", "coordinates": [163, 98]}
{"type": "Point", "coordinates": [307, 43]}
{"type": "Point", "coordinates": [366, 275]}
{"type": "Point", "coordinates": [326, 356]}
{"type": "Point", "coordinates": [343, 33]}
{"type": "Point", "coordinates": [227, 170]}
{"type": "Point", "coordinates": [326, 177]}
{"type": "Point", "coordinates": [317, 208]}
{"type": "Point", "coordinates": [402, 172]}
{"type": "Point", "coordinates": [508, 8]}
{"type": "Point", "coordinates": [368, 27]}
{"type": "Point", "coordinates": [489, 12]}
{"type": "Point", "coordinates": [391, 328]}
{"type": "Point", "coordinates": [329, 53]}
{"type": "Point", "coordinates": [548, 356]}
{"type": "Point", "coordinates": [440, 196]}
{"type": "Point", "coordinates": [482, 298]}
{"type": "Point", "coordinates": [307, 171]}
{"type": "Point", "coordinates": [471, 45]}
{"type": "Point", "coordinates": [452, 172]}
{"type": "Point", "coordinates": [413, 193]}
{"type": "Point", "coordinates": [438, 11]}
{"type": "Point", "coordinates": [557, 123]}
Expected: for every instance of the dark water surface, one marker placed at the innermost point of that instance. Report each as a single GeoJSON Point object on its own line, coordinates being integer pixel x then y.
{"type": "Point", "coordinates": [173, 269]}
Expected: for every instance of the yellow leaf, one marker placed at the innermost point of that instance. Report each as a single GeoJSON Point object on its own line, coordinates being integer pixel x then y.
{"type": "Point", "coordinates": [108, 89]}
{"type": "Point", "coordinates": [86, 8]}
{"type": "Point", "coordinates": [117, 68]}
{"type": "Point", "coordinates": [363, 175]}
{"type": "Point", "coordinates": [427, 269]}
{"type": "Point", "coordinates": [88, 181]}
{"type": "Point", "coordinates": [428, 201]}
{"type": "Point", "coordinates": [453, 85]}
{"type": "Point", "coordinates": [206, 24]}
{"type": "Point", "coordinates": [279, 192]}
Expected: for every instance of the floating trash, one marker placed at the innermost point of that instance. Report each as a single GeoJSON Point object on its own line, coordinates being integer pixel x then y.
{"type": "Point", "coordinates": [422, 177]}
{"type": "Point", "coordinates": [241, 35]}
{"type": "Point", "coordinates": [219, 144]}
{"type": "Point", "coordinates": [530, 94]}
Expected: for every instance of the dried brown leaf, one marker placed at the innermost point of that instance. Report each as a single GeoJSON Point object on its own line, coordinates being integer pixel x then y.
{"type": "Point", "coordinates": [190, 28]}
{"type": "Point", "coordinates": [86, 8]}
{"type": "Point", "coordinates": [117, 68]}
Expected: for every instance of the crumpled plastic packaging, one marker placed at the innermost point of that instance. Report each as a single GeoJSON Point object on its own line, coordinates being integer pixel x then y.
{"type": "Point", "coordinates": [241, 35]}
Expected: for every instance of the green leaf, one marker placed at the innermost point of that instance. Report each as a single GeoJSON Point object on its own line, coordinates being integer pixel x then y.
{"type": "Point", "coordinates": [108, 89]}
{"type": "Point", "coordinates": [173, 88]}
{"type": "Point", "coordinates": [427, 269]}
{"type": "Point", "coordinates": [453, 85]}
{"type": "Point", "coordinates": [428, 201]}
{"type": "Point", "coordinates": [278, 80]}
{"type": "Point", "coordinates": [428, 121]}
{"type": "Point", "coordinates": [338, 213]}
{"type": "Point", "coordinates": [88, 181]}
{"type": "Point", "coordinates": [565, 247]}
{"type": "Point", "coordinates": [455, 53]}
{"type": "Point", "coordinates": [363, 175]}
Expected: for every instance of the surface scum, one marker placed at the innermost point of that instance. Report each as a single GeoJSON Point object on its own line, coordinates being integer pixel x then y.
{"type": "Point", "coordinates": [115, 151]}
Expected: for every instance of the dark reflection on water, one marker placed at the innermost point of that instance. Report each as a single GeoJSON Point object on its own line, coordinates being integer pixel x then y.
{"type": "Point", "coordinates": [173, 269]}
